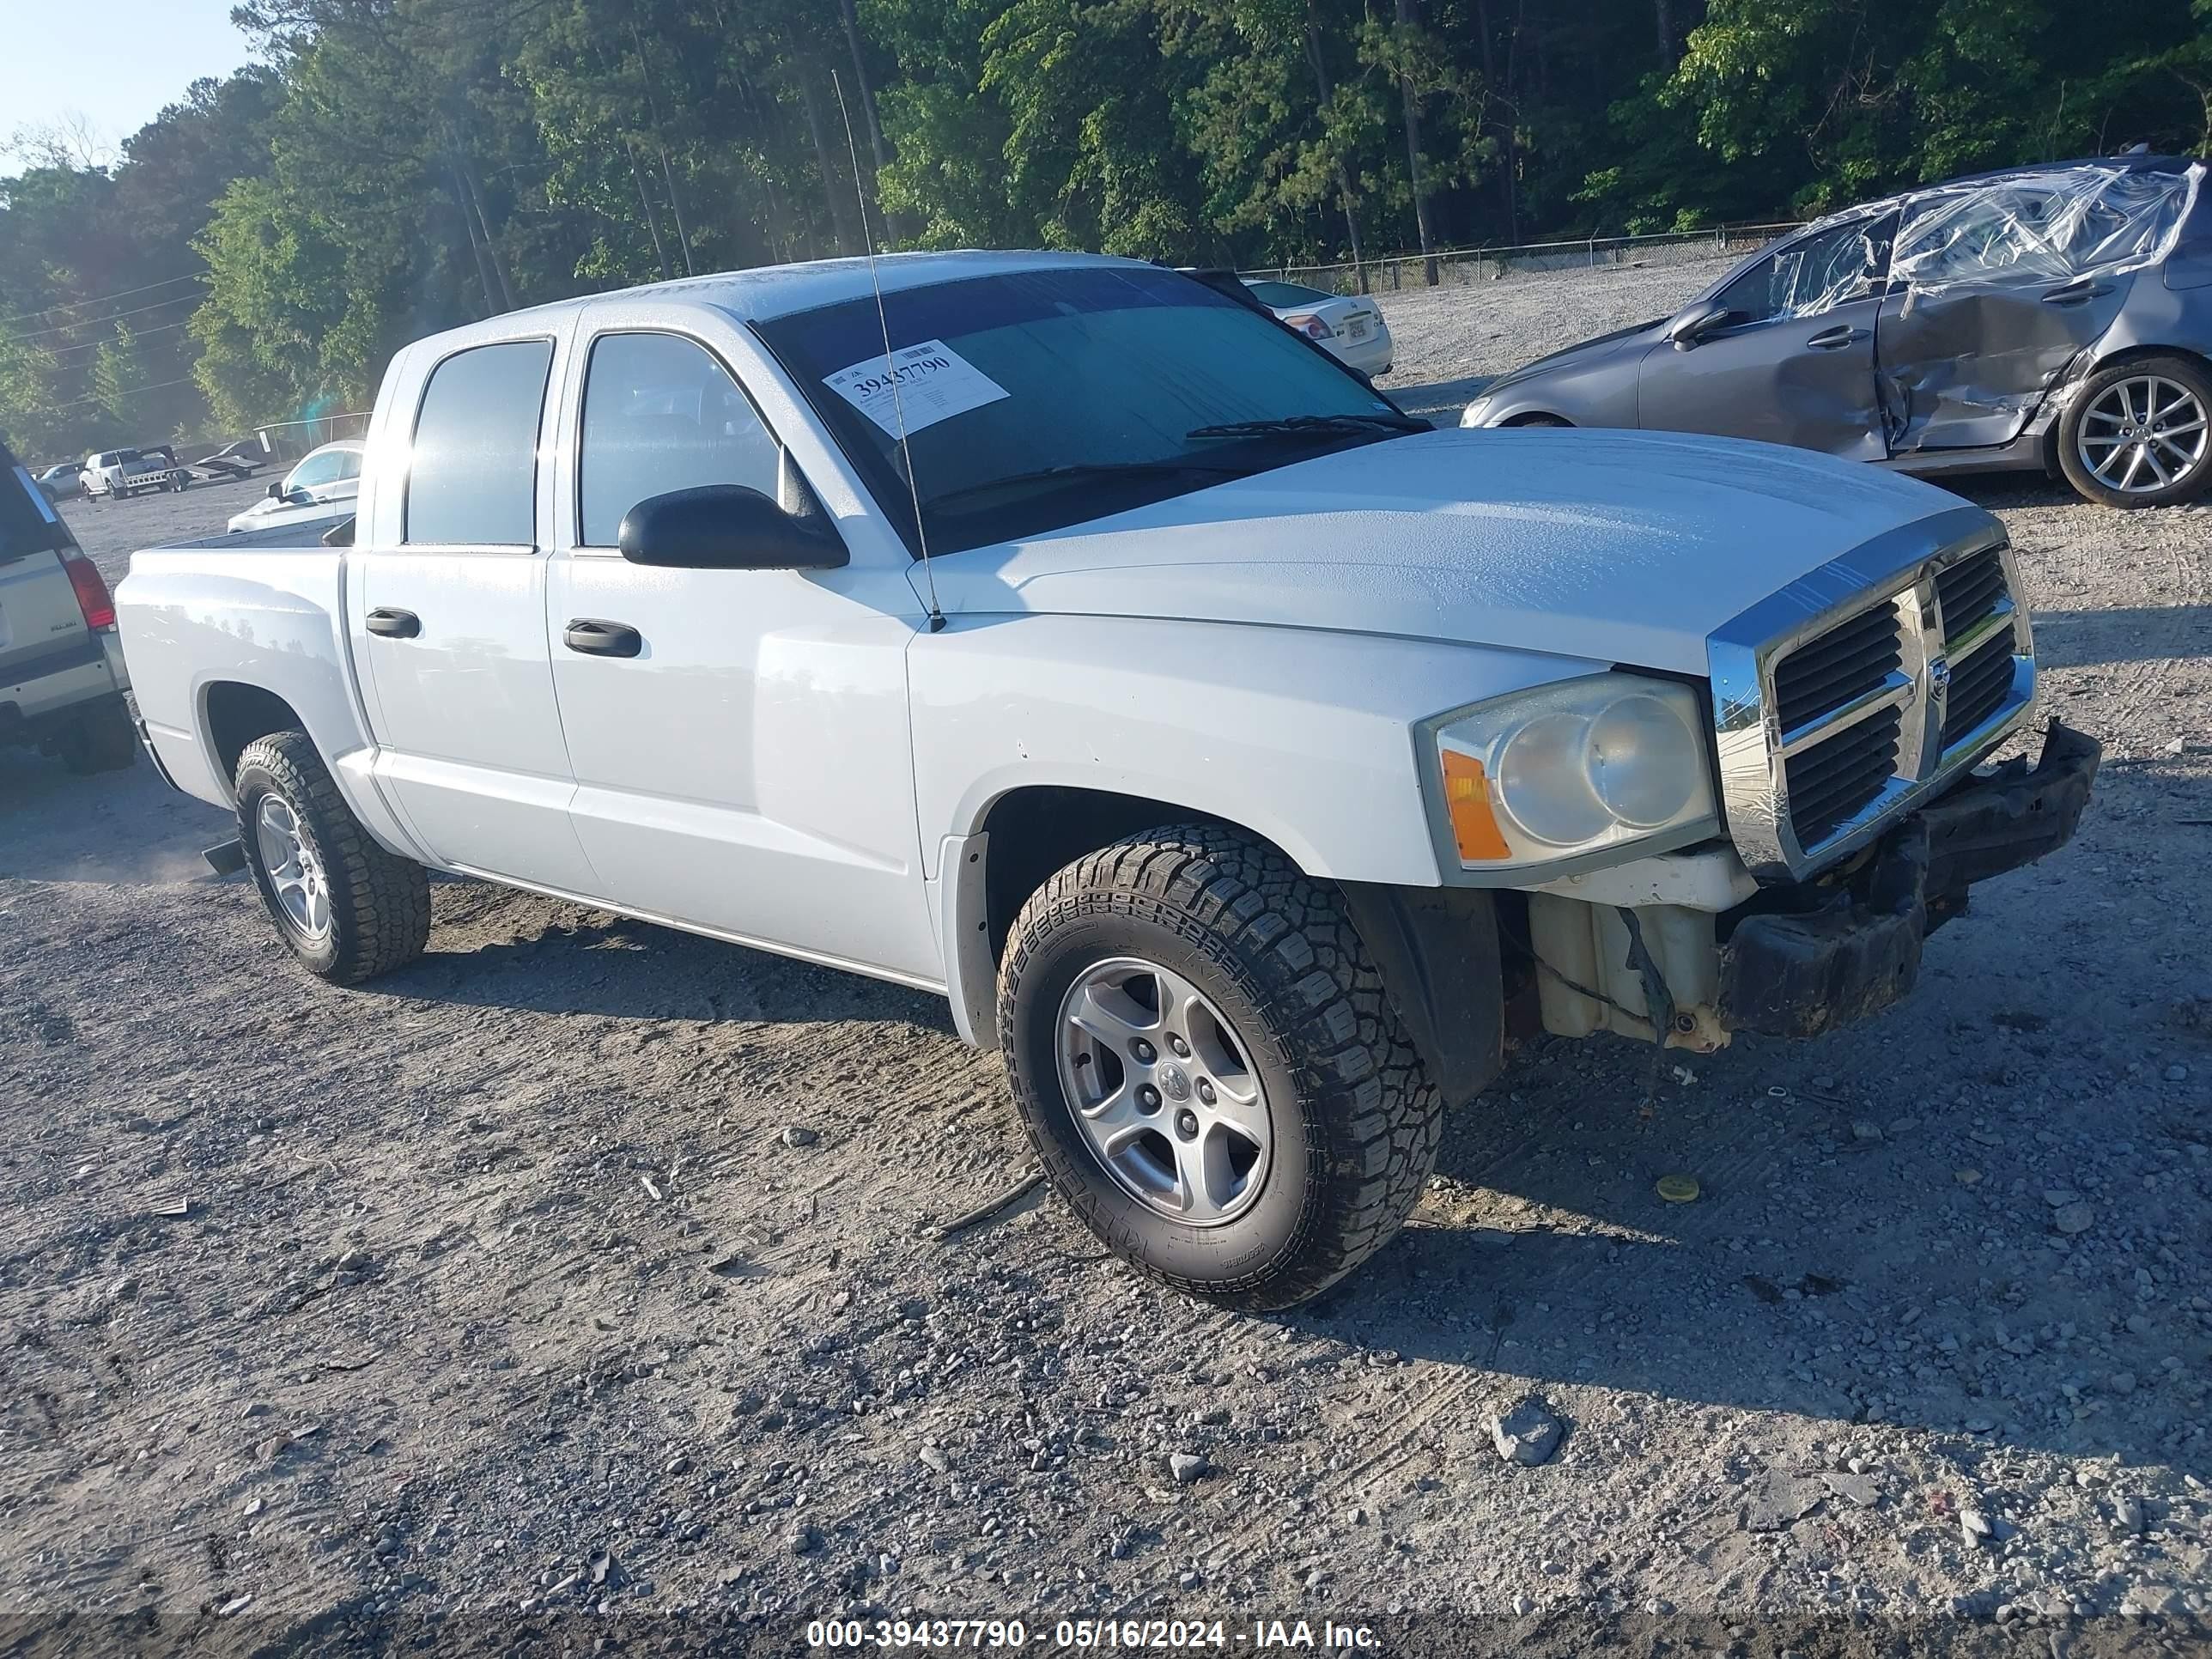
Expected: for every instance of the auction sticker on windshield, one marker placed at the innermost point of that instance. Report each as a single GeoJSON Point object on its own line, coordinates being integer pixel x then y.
{"type": "Point", "coordinates": [926, 383]}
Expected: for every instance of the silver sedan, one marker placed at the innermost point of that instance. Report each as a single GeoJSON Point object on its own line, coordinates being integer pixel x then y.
{"type": "Point", "coordinates": [2052, 319]}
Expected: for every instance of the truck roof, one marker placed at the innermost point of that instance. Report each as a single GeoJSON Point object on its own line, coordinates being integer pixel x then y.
{"type": "Point", "coordinates": [767, 291]}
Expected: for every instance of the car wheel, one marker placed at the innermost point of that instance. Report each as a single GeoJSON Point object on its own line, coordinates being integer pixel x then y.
{"type": "Point", "coordinates": [348, 909]}
{"type": "Point", "coordinates": [103, 740]}
{"type": "Point", "coordinates": [2136, 433]}
{"type": "Point", "coordinates": [1206, 1063]}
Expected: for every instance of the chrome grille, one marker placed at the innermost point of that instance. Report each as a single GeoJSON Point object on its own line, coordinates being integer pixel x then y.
{"type": "Point", "coordinates": [1842, 665]}
{"type": "Point", "coordinates": [1979, 642]}
{"type": "Point", "coordinates": [1979, 687]}
{"type": "Point", "coordinates": [1841, 701]}
{"type": "Point", "coordinates": [1970, 591]}
{"type": "Point", "coordinates": [1833, 779]}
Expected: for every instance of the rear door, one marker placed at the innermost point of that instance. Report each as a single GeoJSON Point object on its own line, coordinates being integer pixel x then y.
{"type": "Point", "coordinates": [2002, 291]}
{"type": "Point", "coordinates": [1795, 363]}
{"type": "Point", "coordinates": [449, 623]}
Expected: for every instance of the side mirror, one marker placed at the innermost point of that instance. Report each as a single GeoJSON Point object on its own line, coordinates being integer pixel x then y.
{"type": "Point", "coordinates": [277, 492]}
{"type": "Point", "coordinates": [1693, 323]}
{"type": "Point", "coordinates": [726, 527]}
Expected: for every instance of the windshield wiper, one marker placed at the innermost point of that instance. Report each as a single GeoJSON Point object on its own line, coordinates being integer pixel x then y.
{"type": "Point", "coordinates": [1301, 424]}
{"type": "Point", "coordinates": [1068, 471]}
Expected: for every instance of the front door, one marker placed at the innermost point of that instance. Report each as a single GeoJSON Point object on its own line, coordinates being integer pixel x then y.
{"type": "Point", "coordinates": [1795, 362]}
{"type": "Point", "coordinates": [449, 623]}
{"type": "Point", "coordinates": [738, 737]}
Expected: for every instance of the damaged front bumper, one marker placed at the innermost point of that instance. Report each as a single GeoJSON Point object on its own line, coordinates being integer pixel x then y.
{"type": "Point", "coordinates": [1798, 962]}
{"type": "Point", "coordinates": [1692, 936]}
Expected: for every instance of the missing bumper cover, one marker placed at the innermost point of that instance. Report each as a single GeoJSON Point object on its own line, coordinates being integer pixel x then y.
{"type": "Point", "coordinates": [1802, 974]}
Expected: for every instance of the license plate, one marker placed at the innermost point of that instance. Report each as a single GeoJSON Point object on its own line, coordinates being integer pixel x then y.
{"type": "Point", "coordinates": [1355, 328]}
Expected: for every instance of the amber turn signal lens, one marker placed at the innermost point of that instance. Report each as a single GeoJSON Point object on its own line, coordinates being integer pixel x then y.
{"type": "Point", "coordinates": [1466, 803]}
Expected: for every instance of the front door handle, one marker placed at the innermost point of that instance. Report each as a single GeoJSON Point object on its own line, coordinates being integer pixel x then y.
{"type": "Point", "coordinates": [603, 639]}
{"type": "Point", "coordinates": [389, 624]}
{"type": "Point", "coordinates": [1834, 339]}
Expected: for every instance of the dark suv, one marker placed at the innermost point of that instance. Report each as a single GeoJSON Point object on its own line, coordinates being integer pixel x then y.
{"type": "Point", "coordinates": [2055, 318]}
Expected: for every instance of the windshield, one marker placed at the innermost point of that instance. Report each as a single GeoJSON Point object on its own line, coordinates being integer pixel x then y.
{"type": "Point", "coordinates": [1034, 400]}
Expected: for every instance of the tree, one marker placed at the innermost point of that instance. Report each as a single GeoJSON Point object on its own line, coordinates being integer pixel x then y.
{"type": "Point", "coordinates": [120, 380]}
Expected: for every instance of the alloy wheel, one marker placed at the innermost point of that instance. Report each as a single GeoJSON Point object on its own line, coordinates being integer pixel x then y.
{"type": "Point", "coordinates": [295, 871]}
{"type": "Point", "coordinates": [2142, 433]}
{"type": "Point", "coordinates": [1164, 1091]}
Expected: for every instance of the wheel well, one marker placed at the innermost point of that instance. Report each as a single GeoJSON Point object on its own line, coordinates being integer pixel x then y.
{"type": "Point", "coordinates": [1036, 830]}
{"type": "Point", "coordinates": [238, 714]}
{"type": "Point", "coordinates": [1535, 417]}
{"type": "Point", "coordinates": [2138, 353]}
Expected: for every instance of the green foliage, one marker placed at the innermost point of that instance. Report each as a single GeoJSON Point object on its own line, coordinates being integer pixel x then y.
{"type": "Point", "coordinates": [401, 166]}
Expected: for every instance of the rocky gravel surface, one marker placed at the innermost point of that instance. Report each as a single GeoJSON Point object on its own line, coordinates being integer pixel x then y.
{"type": "Point", "coordinates": [584, 1286]}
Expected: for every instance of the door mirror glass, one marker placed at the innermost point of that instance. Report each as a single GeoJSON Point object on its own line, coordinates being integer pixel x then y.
{"type": "Point", "coordinates": [726, 527]}
{"type": "Point", "coordinates": [1694, 322]}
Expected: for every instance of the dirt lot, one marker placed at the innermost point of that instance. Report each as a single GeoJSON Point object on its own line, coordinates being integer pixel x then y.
{"type": "Point", "coordinates": [580, 1284]}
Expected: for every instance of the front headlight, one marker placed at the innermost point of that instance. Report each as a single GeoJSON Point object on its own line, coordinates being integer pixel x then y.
{"type": "Point", "coordinates": [1573, 768]}
{"type": "Point", "coordinates": [1474, 412]}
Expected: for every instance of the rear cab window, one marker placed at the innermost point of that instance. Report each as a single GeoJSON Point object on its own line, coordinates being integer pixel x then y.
{"type": "Point", "coordinates": [472, 468]}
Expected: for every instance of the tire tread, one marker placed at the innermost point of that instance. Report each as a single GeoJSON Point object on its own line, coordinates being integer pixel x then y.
{"type": "Point", "coordinates": [1290, 940]}
{"type": "Point", "coordinates": [386, 898]}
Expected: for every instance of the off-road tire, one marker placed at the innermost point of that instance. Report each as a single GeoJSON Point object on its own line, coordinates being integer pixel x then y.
{"type": "Point", "coordinates": [1355, 1120]}
{"type": "Point", "coordinates": [2185, 371]}
{"type": "Point", "coordinates": [102, 740]}
{"type": "Point", "coordinates": [379, 902]}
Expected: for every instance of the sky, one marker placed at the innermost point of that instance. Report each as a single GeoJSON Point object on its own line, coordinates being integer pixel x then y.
{"type": "Point", "coordinates": [116, 63]}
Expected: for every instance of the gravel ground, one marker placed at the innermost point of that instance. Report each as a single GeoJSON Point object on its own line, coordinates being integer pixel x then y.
{"type": "Point", "coordinates": [582, 1284]}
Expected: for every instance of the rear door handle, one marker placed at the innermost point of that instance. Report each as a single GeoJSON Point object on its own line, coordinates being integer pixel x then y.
{"type": "Point", "coordinates": [2077, 293]}
{"type": "Point", "coordinates": [1836, 338]}
{"type": "Point", "coordinates": [603, 639]}
{"type": "Point", "coordinates": [389, 624]}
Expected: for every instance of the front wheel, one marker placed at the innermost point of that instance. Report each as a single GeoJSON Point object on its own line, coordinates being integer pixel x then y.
{"type": "Point", "coordinates": [1208, 1065]}
{"type": "Point", "coordinates": [348, 909]}
{"type": "Point", "coordinates": [2136, 434]}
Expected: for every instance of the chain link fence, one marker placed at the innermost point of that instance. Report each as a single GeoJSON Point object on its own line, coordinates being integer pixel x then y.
{"type": "Point", "coordinates": [1464, 267]}
{"type": "Point", "coordinates": [286, 440]}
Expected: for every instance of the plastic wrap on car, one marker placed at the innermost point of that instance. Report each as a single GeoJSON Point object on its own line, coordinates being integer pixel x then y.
{"type": "Point", "coordinates": [2048, 226]}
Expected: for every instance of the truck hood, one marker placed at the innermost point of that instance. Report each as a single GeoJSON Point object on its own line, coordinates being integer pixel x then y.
{"type": "Point", "coordinates": [1626, 547]}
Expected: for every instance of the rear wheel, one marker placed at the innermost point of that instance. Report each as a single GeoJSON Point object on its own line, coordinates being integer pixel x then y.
{"type": "Point", "coordinates": [1208, 1066]}
{"type": "Point", "coordinates": [348, 909]}
{"type": "Point", "coordinates": [2136, 434]}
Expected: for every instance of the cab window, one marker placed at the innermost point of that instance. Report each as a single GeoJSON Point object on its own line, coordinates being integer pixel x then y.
{"type": "Point", "coordinates": [472, 474]}
{"type": "Point", "coordinates": [661, 413]}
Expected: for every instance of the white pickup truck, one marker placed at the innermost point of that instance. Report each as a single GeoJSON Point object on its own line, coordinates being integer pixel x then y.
{"type": "Point", "coordinates": [1249, 763]}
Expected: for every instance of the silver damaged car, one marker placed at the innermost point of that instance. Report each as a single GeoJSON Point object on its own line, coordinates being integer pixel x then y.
{"type": "Point", "coordinates": [2055, 318]}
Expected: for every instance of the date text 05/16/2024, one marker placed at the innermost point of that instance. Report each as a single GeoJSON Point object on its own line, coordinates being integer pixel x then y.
{"type": "Point", "coordinates": [1160, 1635]}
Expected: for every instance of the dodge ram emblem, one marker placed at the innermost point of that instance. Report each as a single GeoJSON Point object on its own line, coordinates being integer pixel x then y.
{"type": "Point", "coordinates": [1939, 673]}
{"type": "Point", "coordinates": [1174, 1083]}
